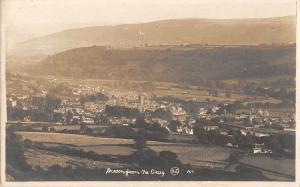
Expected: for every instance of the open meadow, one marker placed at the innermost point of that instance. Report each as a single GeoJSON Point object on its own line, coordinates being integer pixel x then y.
{"type": "Point", "coordinates": [274, 168]}
{"type": "Point", "coordinates": [195, 155]}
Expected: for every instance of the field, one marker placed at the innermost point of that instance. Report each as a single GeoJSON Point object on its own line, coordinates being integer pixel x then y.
{"type": "Point", "coordinates": [196, 155]}
{"type": "Point", "coordinates": [73, 139]}
{"type": "Point", "coordinates": [46, 159]}
{"type": "Point", "coordinates": [284, 112]}
{"type": "Point", "coordinates": [67, 127]}
{"type": "Point", "coordinates": [199, 156]}
{"type": "Point", "coordinates": [163, 89]}
{"type": "Point", "coordinates": [276, 168]}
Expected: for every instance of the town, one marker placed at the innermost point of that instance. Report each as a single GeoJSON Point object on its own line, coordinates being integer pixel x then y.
{"type": "Point", "coordinates": [31, 101]}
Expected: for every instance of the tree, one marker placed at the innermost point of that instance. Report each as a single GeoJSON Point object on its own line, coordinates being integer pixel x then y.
{"type": "Point", "coordinates": [275, 144]}
{"type": "Point", "coordinates": [15, 150]}
{"type": "Point", "coordinates": [69, 117]}
{"type": "Point", "coordinates": [140, 141]}
{"type": "Point", "coordinates": [201, 134]}
{"type": "Point", "coordinates": [237, 138]}
{"type": "Point", "coordinates": [249, 140]}
{"type": "Point", "coordinates": [45, 129]}
{"type": "Point", "coordinates": [82, 127]}
{"type": "Point", "coordinates": [52, 129]}
{"type": "Point", "coordinates": [82, 100]}
{"type": "Point", "coordinates": [57, 117]}
{"type": "Point", "coordinates": [52, 102]}
{"type": "Point", "coordinates": [141, 123]}
{"type": "Point", "coordinates": [168, 159]}
{"type": "Point", "coordinates": [97, 119]}
{"type": "Point", "coordinates": [173, 125]}
{"type": "Point", "coordinates": [213, 136]}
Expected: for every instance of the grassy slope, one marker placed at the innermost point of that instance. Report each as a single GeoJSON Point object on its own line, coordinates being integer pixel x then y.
{"type": "Point", "coordinates": [173, 64]}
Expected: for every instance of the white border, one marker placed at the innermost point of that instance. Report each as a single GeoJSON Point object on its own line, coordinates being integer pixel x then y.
{"type": "Point", "coordinates": [3, 90]}
{"type": "Point", "coordinates": [128, 183]}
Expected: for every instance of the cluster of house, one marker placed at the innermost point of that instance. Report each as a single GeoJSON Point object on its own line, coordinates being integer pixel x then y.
{"type": "Point", "coordinates": [30, 94]}
{"type": "Point", "coordinates": [252, 118]}
{"type": "Point", "coordinates": [133, 100]}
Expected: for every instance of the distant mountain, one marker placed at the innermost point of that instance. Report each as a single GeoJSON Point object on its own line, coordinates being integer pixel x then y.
{"type": "Point", "coordinates": [14, 37]}
{"type": "Point", "coordinates": [191, 31]}
{"type": "Point", "coordinates": [191, 63]}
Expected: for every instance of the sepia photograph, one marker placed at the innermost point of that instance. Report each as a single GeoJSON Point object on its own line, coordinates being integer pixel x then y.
{"type": "Point", "coordinates": [129, 90]}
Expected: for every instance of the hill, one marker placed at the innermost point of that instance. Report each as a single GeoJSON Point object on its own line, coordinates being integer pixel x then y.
{"type": "Point", "coordinates": [191, 31]}
{"type": "Point", "coordinates": [192, 63]}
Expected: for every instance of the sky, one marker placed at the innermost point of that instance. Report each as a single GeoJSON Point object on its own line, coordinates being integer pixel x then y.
{"type": "Point", "coordinates": [32, 18]}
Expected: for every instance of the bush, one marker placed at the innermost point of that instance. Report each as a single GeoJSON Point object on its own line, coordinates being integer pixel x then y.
{"type": "Point", "coordinates": [168, 155]}
{"type": "Point", "coordinates": [27, 143]}
{"type": "Point", "coordinates": [15, 150]}
{"type": "Point", "coordinates": [233, 157]}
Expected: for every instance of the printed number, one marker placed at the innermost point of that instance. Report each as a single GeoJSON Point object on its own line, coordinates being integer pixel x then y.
{"type": "Point", "coordinates": [190, 171]}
